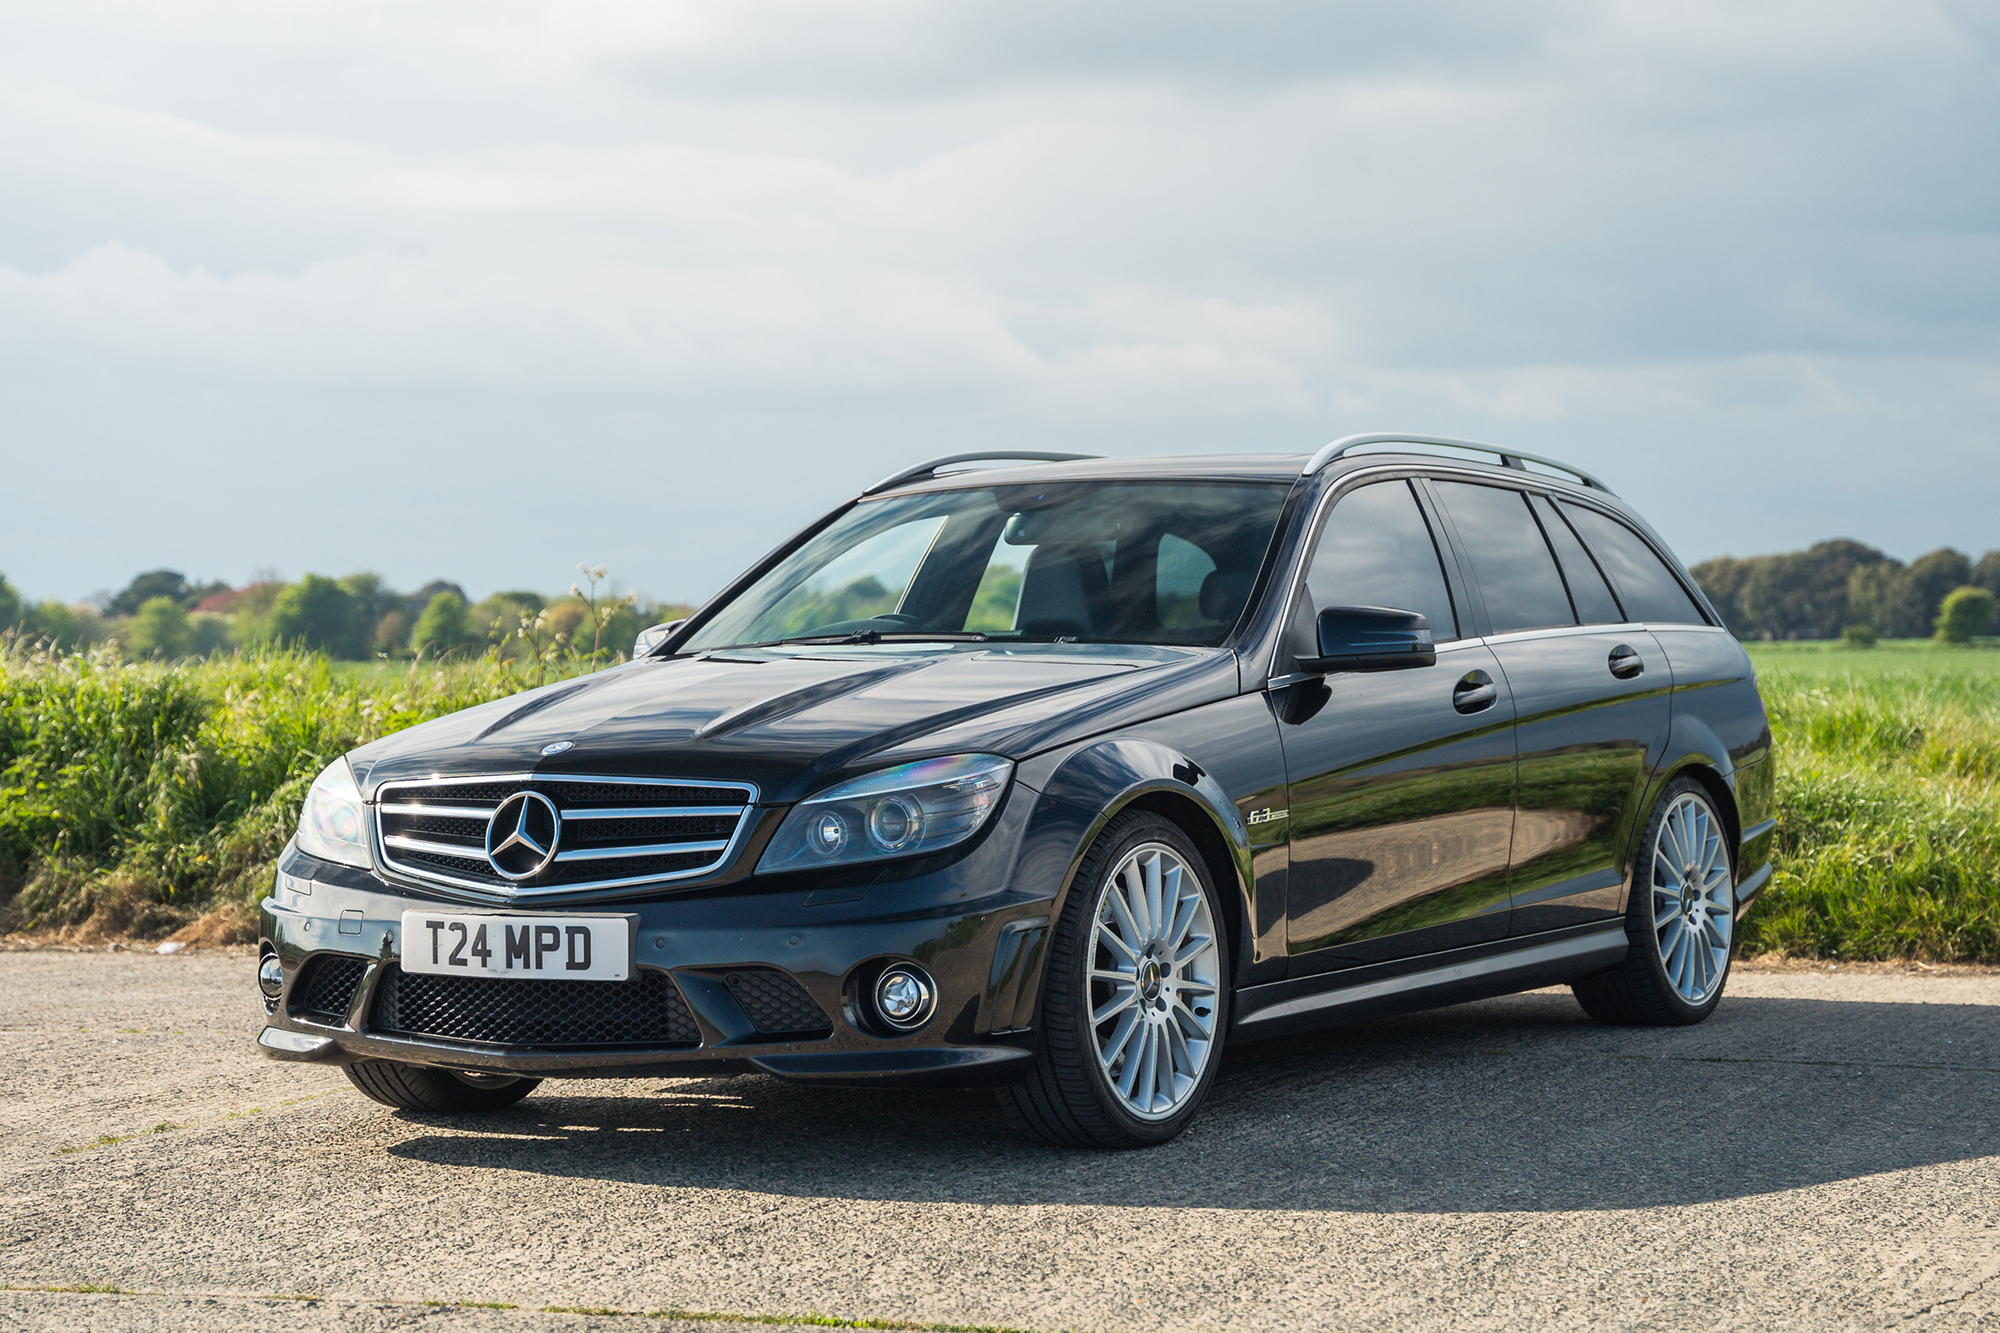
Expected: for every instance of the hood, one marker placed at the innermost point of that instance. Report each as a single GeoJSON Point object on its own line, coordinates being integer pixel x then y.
{"type": "Point", "coordinates": [793, 721]}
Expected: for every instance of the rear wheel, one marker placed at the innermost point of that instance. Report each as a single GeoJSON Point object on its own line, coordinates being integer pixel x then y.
{"type": "Point", "coordinates": [1681, 920]}
{"type": "Point", "coordinates": [421, 1088]}
{"type": "Point", "coordinates": [1134, 997]}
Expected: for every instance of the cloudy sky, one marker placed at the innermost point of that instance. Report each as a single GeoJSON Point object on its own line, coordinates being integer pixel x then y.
{"type": "Point", "coordinates": [481, 290]}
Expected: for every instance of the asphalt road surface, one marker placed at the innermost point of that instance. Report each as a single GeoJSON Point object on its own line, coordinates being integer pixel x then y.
{"type": "Point", "coordinates": [1823, 1153]}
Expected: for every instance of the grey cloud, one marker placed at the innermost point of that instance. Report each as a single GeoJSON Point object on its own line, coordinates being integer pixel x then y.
{"type": "Point", "coordinates": [913, 49]}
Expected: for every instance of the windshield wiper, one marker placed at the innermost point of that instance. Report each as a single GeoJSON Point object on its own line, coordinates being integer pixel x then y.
{"type": "Point", "coordinates": [878, 636]}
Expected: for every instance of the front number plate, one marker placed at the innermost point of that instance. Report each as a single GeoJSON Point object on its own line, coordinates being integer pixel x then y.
{"type": "Point", "coordinates": [555, 948]}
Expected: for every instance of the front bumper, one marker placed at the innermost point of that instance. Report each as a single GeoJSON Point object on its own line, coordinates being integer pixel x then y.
{"type": "Point", "coordinates": [980, 944]}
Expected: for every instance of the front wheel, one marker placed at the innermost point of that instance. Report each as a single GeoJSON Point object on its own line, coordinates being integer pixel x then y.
{"type": "Point", "coordinates": [1681, 920]}
{"type": "Point", "coordinates": [1134, 997]}
{"type": "Point", "coordinates": [421, 1088]}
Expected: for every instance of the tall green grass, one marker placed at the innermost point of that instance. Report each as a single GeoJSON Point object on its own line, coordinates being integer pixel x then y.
{"type": "Point", "coordinates": [136, 798]}
{"type": "Point", "coordinates": [1888, 803]}
{"type": "Point", "coordinates": [141, 798]}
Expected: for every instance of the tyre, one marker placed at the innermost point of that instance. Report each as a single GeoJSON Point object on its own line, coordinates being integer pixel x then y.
{"type": "Point", "coordinates": [1681, 920]}
{"type": "Point", "coordinates": [1135, 995]}
{"type": "Point", "coordinates": [421, 1088]}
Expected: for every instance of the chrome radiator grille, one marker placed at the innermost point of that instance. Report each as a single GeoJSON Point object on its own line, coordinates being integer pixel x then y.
{"type": "Point", "coordinates": [597, 832]}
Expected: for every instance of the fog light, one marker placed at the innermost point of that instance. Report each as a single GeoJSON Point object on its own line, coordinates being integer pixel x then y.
{"type": "Point", "coordinates": [905, 997]}
{"type": "Point", "coordinates": [271, 976]}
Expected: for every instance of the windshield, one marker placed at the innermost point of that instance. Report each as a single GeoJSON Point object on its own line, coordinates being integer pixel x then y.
{"type": "Point", "coordinates": [1087, 562]}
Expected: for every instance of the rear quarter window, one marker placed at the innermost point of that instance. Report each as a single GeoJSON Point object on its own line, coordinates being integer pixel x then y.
{"type": "Point", "coordinates": [1649, 590]}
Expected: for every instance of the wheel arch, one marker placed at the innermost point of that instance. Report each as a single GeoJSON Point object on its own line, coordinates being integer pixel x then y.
{"type": "Point", "coordinates": [1692, 750]}
{"type": "Point", "coordinates": [1103, 779]}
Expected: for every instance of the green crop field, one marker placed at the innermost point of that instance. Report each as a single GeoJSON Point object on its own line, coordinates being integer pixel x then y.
{"type": "Point", "coordinates": [149, 799]}
{"type": "Point", "coordinates": [1888, 802]}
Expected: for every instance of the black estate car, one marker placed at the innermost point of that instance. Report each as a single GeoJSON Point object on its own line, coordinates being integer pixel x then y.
{"type": "Point", "coordinates": [1053, 777]}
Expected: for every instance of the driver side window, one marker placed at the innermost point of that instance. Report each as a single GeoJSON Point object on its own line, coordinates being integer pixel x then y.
{"type": "Point", "coordinates": [1377, 550]}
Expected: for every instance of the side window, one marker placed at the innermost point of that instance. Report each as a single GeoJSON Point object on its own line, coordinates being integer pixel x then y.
{"type": "Point", "coordinates": [1516, 571]}
{"type": "Point", "coordinates": [1645, 584]}
{"type": "Point", "coordinates": [1377, 550]}
{"type": "Point", "coordinates": [1594, 603]}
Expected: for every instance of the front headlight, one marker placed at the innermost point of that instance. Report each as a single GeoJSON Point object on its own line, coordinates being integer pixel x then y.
{"type": "Point", "coordinates": [901, 811]}
{"type": "Point", "coordinates": [332, 826]}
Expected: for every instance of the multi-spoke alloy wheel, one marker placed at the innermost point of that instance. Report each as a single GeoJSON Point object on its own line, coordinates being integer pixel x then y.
{"type": "Point", "coordinates": [1135, 993]}
{"type": "Point", "coordinates": [1681, 919]}
{"type": "Point", "coordinates": [1154, 969]}
{"type": "Point", "coordinates": [1694, 900]}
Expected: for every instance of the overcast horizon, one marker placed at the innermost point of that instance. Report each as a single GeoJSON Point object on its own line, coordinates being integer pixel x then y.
{"type": "Point", "coordinates": [480, 292]}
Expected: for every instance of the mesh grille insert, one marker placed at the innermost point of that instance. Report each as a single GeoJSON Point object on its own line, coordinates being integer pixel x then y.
{"type": "Point", "coordinates": [645, 1011]}
{"type": "Point", "coordinates": [326, 990]}
{"type": "Point", "coordinates": [775, 1002]}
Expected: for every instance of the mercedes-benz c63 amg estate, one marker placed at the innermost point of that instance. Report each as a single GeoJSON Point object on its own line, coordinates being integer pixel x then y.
{"type": "Point", "coordinates": [1056, 776]}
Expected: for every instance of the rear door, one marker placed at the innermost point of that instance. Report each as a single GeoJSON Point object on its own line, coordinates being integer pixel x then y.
{"type": "Point", "coordinates": [1401, 782]}
{"type": "Point", "coordinates": [1592, 690]}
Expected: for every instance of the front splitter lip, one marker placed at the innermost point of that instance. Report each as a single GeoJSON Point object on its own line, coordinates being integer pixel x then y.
{"type": "Point", "coordinates": [944, 1066]}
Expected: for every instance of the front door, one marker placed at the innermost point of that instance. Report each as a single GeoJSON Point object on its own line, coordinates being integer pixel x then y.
{"type": "Point", "coordinates": [1401, 782]}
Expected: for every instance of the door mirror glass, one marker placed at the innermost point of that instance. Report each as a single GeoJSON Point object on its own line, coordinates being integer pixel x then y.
{"type": "Point", "coordinates": [652, 637]}
{"type": "Point", "coordinates": [1370, 638]}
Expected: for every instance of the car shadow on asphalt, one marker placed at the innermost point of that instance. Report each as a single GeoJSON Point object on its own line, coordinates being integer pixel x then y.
{"type": "Point", "coordinates": [1519, 1104]}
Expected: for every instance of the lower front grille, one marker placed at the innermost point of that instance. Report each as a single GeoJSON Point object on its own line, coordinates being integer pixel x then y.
{"type": "Point", "coordinates": [645, 1011]}
{"type": "Point", "coordinates": [776, 1003]}
{"type": "Point", "coordinates": [325, 991]}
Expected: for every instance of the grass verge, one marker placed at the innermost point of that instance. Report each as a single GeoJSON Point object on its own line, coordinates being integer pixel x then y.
{"type": "Point", "coordinates": [1888, 804]}
{"type": "Point", "coordinates": [154, 800]}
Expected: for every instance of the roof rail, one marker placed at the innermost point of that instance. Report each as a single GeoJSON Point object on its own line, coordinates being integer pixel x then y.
{"type": "Point", "coordinates": [930, 469]}
{"type": "Point", "coordinates": [1512, 458]}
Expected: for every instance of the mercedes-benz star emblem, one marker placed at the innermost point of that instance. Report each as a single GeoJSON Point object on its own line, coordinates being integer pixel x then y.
{"type": "Point", "coordinates": [522, 835]}
{"type": "Point", "coordinates": [557, 747]}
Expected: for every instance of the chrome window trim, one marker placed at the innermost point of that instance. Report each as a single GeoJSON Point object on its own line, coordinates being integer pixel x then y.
{"type": "Point", "coordinates": [1553, 487]}
{"type": "Point", "coordinates": [1562, 631]}
{"type": "Point", "coordinates": [393, 871]}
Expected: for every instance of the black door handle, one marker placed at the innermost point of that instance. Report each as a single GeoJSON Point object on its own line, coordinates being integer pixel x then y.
{"type": "Point", "coordinates": [1626, 662]}
{"type": "Point", "coordinates": [1475, 692]}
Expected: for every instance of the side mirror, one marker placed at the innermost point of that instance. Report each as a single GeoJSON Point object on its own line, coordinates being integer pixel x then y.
{"type": "Point", "coordinates": [651, 637]}
{"type": "Point", "coordinates": [1370, 638]}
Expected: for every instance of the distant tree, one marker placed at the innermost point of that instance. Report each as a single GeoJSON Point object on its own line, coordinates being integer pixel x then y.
{"type": "Point", "coordinates": [250, 611]}
{"type": "Point", "coordinates": [1721, 578]}
{"type": "Point", "coordinates": [10, 605]}
{"type": "Point", "coordinates": [570, 617]}
{"type": "Point", "coordinates": [1966, 611]}
{"type": "Point", "coordinates": [315, 613]}
{"type": "Point", "coordinates": [392, 632]}
{"type": "Point", "coordinates": [63, 626]}
{"type": "Point", "coordinates": [1858, 636]}
{"type": "Point", "coordinates": [1798, 595]}
{"type": "Point", "coordinates": [443, 627]}
{"type": "Point", "coordinates": [169, 583]}
{"type": "Point", "coordinates": [1884, 597]}
{"type": "Point", "coordinates": [416, 603]}
{"type": "Point", "coordinates": [160, 629]}
{"type": "Point", "coordinates": [499, 618]}
{"type": "Point", "coordinates": [208, 633]}
{"type": "Point", "coordinates": [373, 599]}
{"type": "Point", "coordinates": [1934, 576]}
{"type": "Point", "coordinates": [1986, 574]}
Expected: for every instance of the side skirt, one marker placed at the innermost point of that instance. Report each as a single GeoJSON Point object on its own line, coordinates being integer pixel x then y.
{"type": "Point", "coordinates": [1284, 1006]}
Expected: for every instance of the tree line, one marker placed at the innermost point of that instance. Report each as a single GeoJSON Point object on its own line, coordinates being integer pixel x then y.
{"type": "Point", "coordinates": [1843, 587]}
{"type": "Point", "coordinates": [162, 615]}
